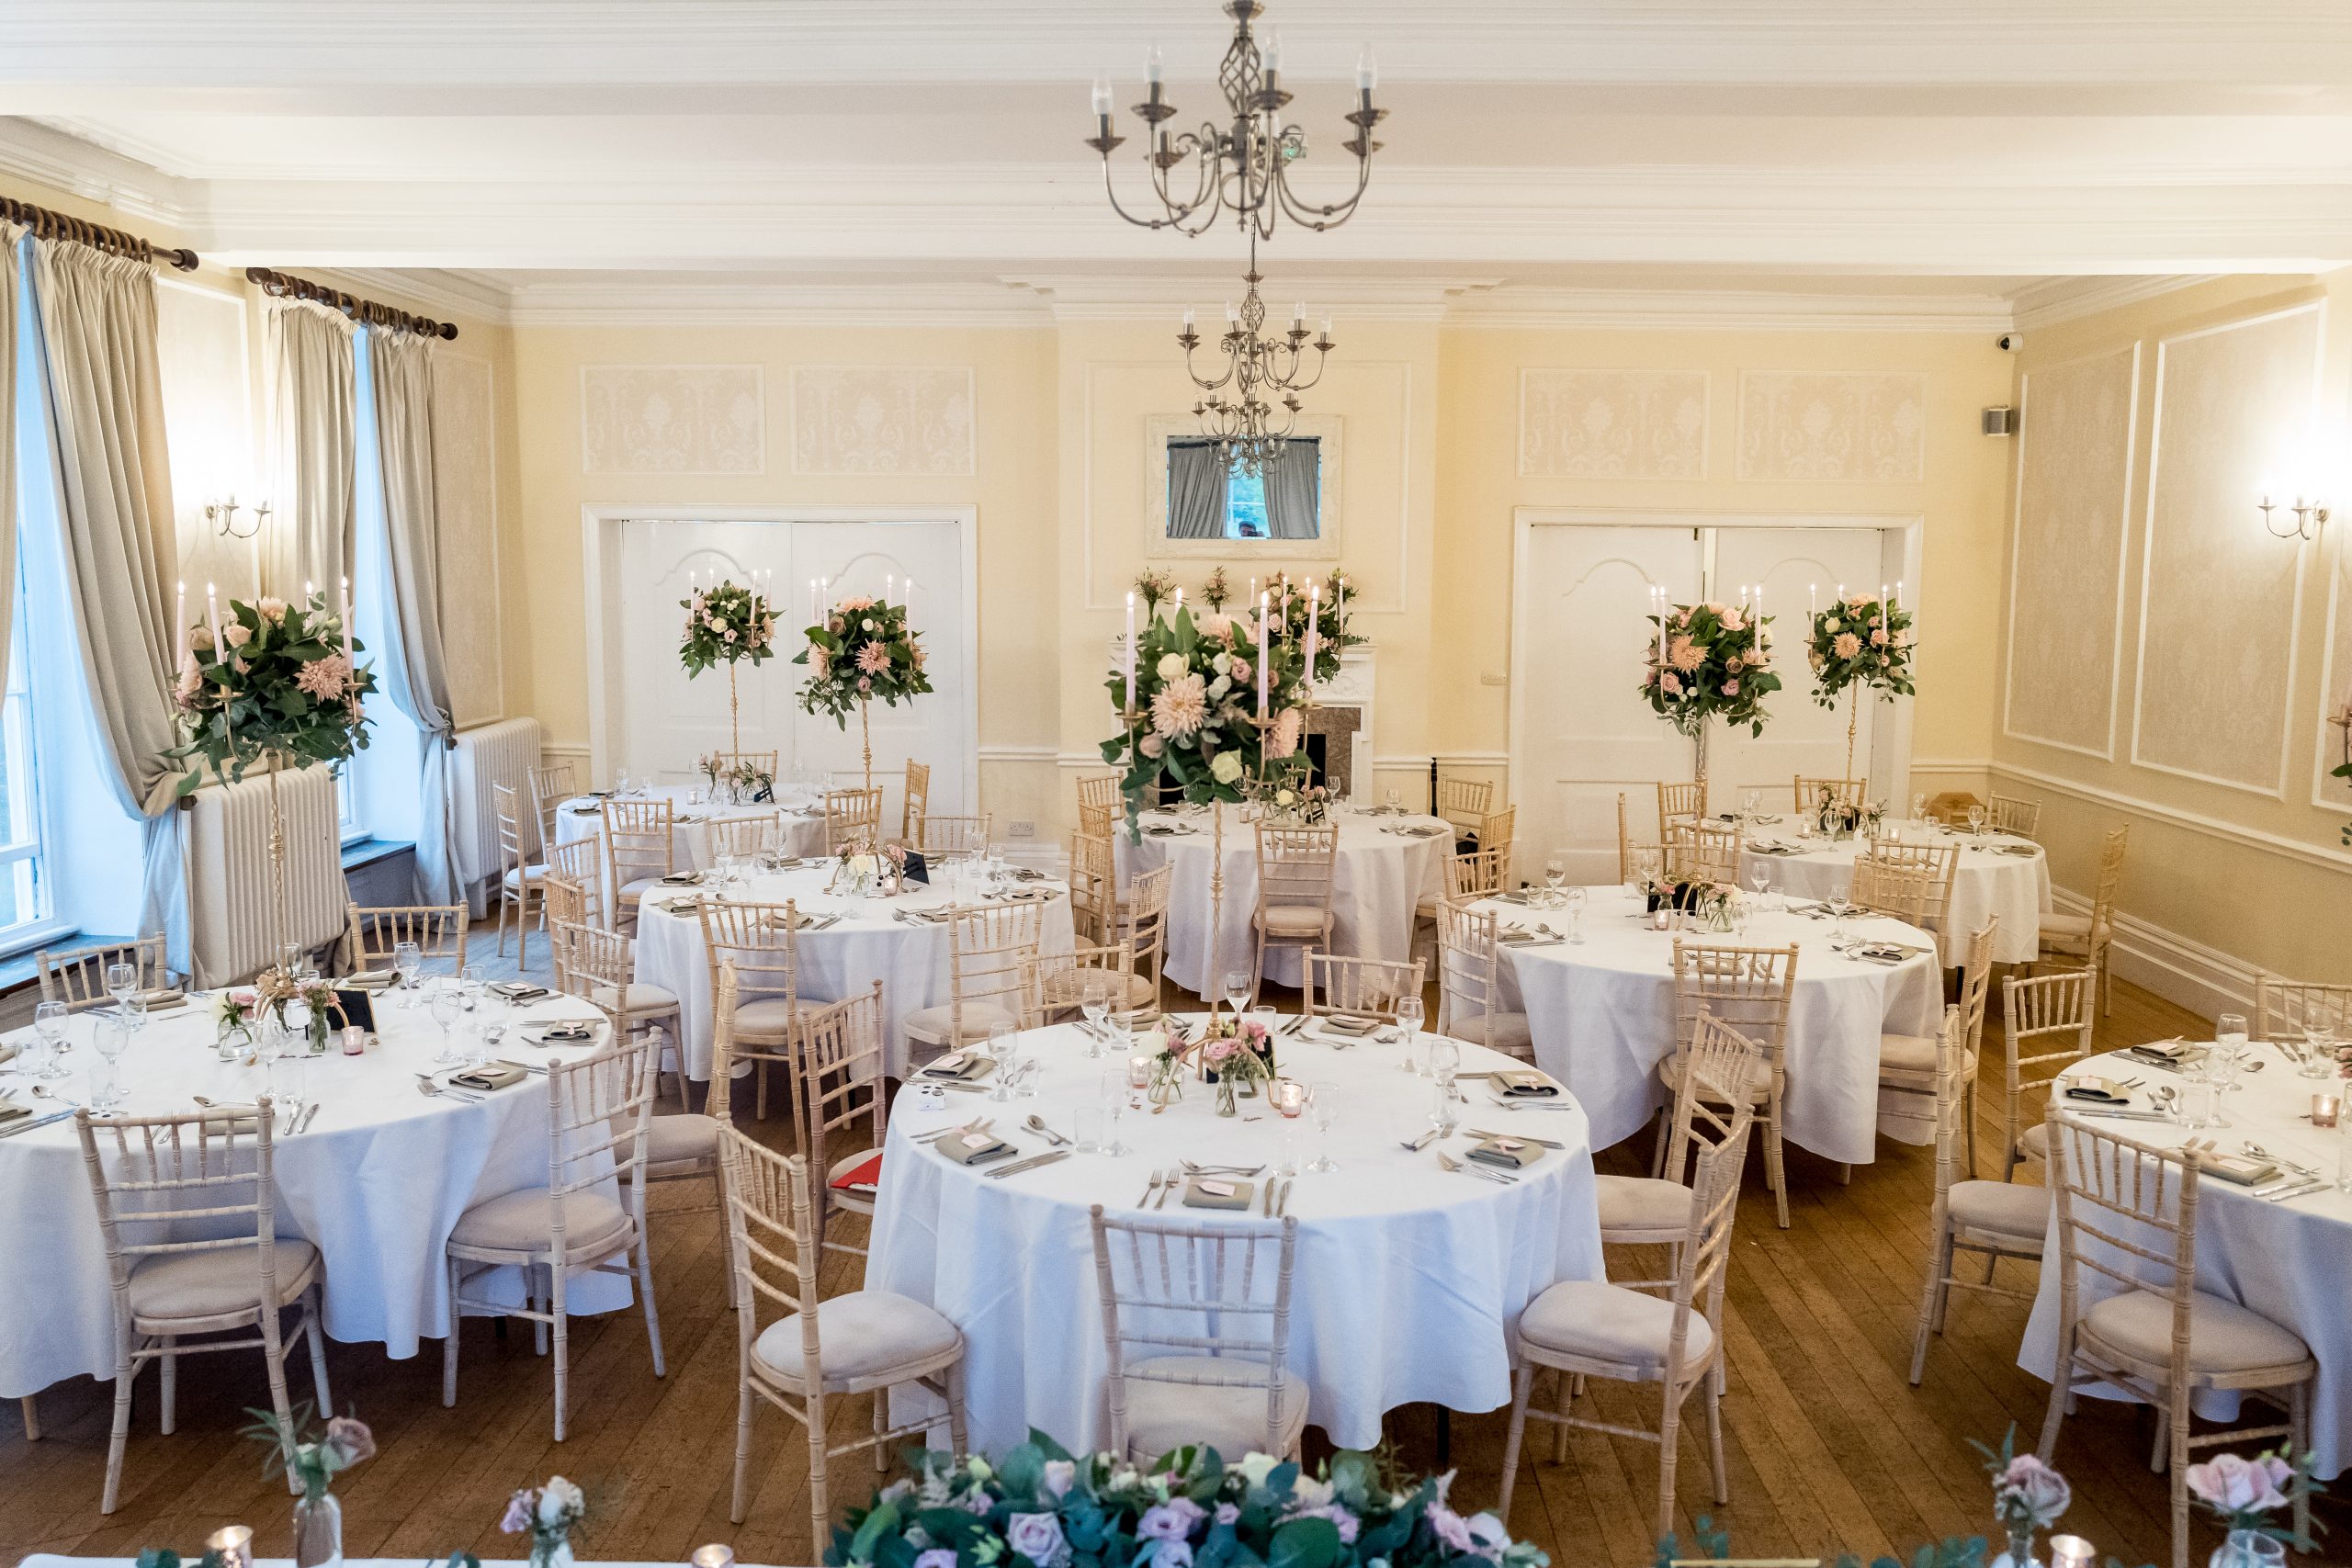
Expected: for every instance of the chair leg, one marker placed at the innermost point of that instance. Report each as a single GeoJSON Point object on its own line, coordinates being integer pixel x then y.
{"type": "Point", "coordinates": [1776, 1173]}
{"type": "Point", "coordinates": [881, 1425]}
{"type": "Point", "coordinates": [742, 1448]}
{"type": "Point", "coordinates": [1968, 1122]}
{"type": "Point", "coordinates": [956, 1435]}
{"type": "Point", "coordinates": [1670, 1439]}
{"type": "Point", "coordinates": [1714, 1397]}
{"type": "Point", "coordinates": [1931, 1304]}
{"type": "Point", "coordinates": [124, 1371]}
{"type": "Point", "coordinates": [1522, 1385]}
{"type": "Point", "coordinates": [2299, 1416]}
{"type": "Point", "coordinates": [1845, 1174]}
{"type": "Point", "coordinates": [317, 1334]}
{"type": "Point", "coordinates": [502, 923]}
{"type": "Point", "coordinates": [557, 1309]}
{"type": "Point", "coordinates": [273, 1351]}
{"type": "Point", "coordinates": [2060, 1387]}
{"type": "Point", "coordinates": [1664, 1131]}
{"type": "Point", "coordinates": [1560, 1429]}
{"type": "Point", "coordinates": [820, 1512]}
{"type": "Point", "coordinates": [32, 1418]}
{"type": "Point", "coordinates": [449, 1345]}
{"type": "Point", "coordinates": [169, 1370]}
{"type": "Point", "coordinates": [645, 1285]}
{"type": "Point", "coordinates": [2178, 1415]}
{"type": "Point", "coordinates": [522, 930]}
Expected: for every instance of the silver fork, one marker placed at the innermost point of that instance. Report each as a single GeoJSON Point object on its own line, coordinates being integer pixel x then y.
{"type": "Point", "coordinates": [1150, 1187]}
{"type": "Point", "coordinates": [1449, 1163]}
{"type": "Point", "coordinates": [978, 1124]}
{"type": "Point", "coordinates": [1175, 1180]}
{"type": "Point", "coordinates": [2259, 1152]}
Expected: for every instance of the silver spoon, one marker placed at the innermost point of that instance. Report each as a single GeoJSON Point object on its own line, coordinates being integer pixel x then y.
{"type": "Point", "coordinates": [1038, 1124]}
{"type": "Point", "coordinates": [2259, 1152]}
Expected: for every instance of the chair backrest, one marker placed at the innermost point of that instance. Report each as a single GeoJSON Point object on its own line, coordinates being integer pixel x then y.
{"type": "Point", "coordinates": [2289, 1007]}
{"type": "Point", "coordinates": [761, 941]}
{"type": "Point", "coordinates": [594, 958]}
{"type": "Point", "coordinates": [1469, 973]}
{"type": "Point", "coordinates": [638, 843]}
{"type": "Point", "coordinates": [1712, 1090]}
{"type": "Point", "coordinates": [1498, 834]}
{"type": "Point", "coordinates": [581, 863]}
{"type": "Point", "coordinates": [730, 1048]}
{"type": "Point", "coordinates": [1463, 802]}
{"type": "Point", "coordinates": [852, 816]}
{"type": "Point", "coordinates": [840, 1082]}
{"type": "Point", "coordinates": [1169, 1289]}
{"type": "Point", "coordinates": [2007, 814]}
{"type": "Point", "coordinates": [1679, 803]}
{"type": "Point", "coordinates": [1478, 875]}
{"type": "Point", "coordinates": [914, 804]}
{"type": "Point", "coordinates": [1094, 885]}
{"type": "Point", "coordinates": [151, 1175]}
{"type": "Point", "coordinates": [1910, 882]}
{"type": "Point", "coordinates": [2049, 1018]}
{"type": "Point", "coordinates": [746, 836]}
{"type": "Point", "coordinates": [1053, 984]}
{"type": "Point", "coordinates": [2111, 882]}
{"type": "Point", "coordinates": [1809, 793]}
{"type": "Point", "coordinates": [987, 947]}
{"type": "Point", "coordinates": [1625, 842]}
{"type": "Point", "coordinates": [438, 930]}
{"type": "Point", "coordinates": [762, 761]}
{"type": "Point", "coordinates": [78, 975]}
{"type": "Point", "coordinates": [1703, 1261]}
{"type": "Point", "coordinates": [598, 1110]}
{"type": "Point", "coordinates": [1695, 852]}
{"type": "Point", "coordinates": [551, 785]}
{"type": "Point", "coordinates": [1747, 987]}
{"type": "Point", "coordinates": [2126, 1211]}
{"type": "Point", "coordinates": [1098, 803]}
{"type": "Point", "coordinates": [1951, 1108]}
{"type": "Point", "coordinates": [769, 1221]}
{"type": "Point", "coordinates": [513, 845]}
{"type": "Point", "coordinates": [944, 838]}
{"type": "Point", "coordinates": [1146, 925]}
{"type": "Point", "coordinates": [1976, 983]}
{"type": "Point", "coordinates": [1360, 984]}
{"type": "Point", "coordinates": [1295, 866]}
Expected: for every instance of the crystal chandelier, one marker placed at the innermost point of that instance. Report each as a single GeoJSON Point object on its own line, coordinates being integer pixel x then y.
{"type": "Point", "coordinates": [1236, 415]}
{"type": "Point", "coordinates": [1242, 165]}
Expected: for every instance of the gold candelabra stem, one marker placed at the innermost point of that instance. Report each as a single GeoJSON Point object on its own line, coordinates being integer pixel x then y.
{"type": "Point", "coordinates": [276, 864]}
{"type": "Point", "coordinates": [1853, 719]}
{"type": "Point", "coordinates": [865, 730]}
{"type": "Point", "coordinates": [734, 712]}
{"type": "Point", "coordinates": [1216, 903]}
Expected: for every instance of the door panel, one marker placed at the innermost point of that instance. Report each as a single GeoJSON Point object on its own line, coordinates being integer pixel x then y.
{"type": "Point", "coordinates": [669, 719]}
{"type": "Point", "coordinates": [1802, 737]}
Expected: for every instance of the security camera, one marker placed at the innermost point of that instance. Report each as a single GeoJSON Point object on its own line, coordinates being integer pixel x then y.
{"type": "Point", "coordinates": [2009, 342]}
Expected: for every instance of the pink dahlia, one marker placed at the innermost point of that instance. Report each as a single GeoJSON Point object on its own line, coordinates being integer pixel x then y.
{"type": "Point", "coordinates": [1684, 654]}
{"type": "Point", "coordinates": [1180, 707]}
{"type": "Point", "coordinates": [1846, 646]}
{"type": "Point", "coordinates": [324, 678]}
{"type": "Point", "coordinates": [874, 659]}
{"type": "Point", "coordinates": [1282, 740]}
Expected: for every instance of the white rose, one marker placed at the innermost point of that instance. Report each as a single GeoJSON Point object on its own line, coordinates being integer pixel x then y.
{"type": "Point", "coordinates": [1830, 625]}
{"type": "Point", "coordinates": [1171, 667]}
{"type": "Point", "coordinates": [1226, 767]}
{"type": "Point", "coordinates": [1218, 687]}
{"type": "Point", "coordinates": [1255, 1468]}
{"type": "Point", "coordinates": [867, 625]}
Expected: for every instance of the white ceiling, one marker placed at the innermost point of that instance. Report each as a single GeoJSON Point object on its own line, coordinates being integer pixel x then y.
{"type": "Point", "coordinates": [1918, 160]}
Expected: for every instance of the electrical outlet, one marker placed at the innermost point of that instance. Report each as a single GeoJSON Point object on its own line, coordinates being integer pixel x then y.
{"type": "Point", "coordinates": [1022, 830]}
{"type": "Point", "coordinates": [1492, 678]}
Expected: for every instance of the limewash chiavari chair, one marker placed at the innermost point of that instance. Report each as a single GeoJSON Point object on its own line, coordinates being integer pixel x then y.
{"type": "Point", "coordinates": [1463, 803]}
{"type": "Point", "coordinates": [1992, 1219]}
{"type": "Point", "coordinates": [640, 849]}
{"type": "Point", "coordinates": [1588, 1328]}
{"type": "Point", "coordinates": [1909, 1067]}
{"type": "Point", "coordinates": [1749, 988]}
{"type": "Point", "coordinates": [1910, 882]}
{"type": "Point", "coordinates": [598, 1109]}
{"type": "Point", "coordinates": [840, 1085]}
{"type": "Point", "coordinates": [148, 1172]}
{"type": "Point", "coordinates": [987, 947]}
{"type": "Point", "coordinates": [551, 785]}
{"type": "Point", "coordinates": [762, 942]}
{"type": "Point", "coordinates": [1469, 983]}
{"type": "Point", "coordinates": [1655, 1211]}
{"type": "Point", "coordinates": [1473, 874]}
{"type": "Point", "coordinates": [852, 816]}
{"type": "Point", "coordinates": [1366, 985]}
{"type": "Point", "coordinates": [1143, 922]}
{"type": "Point", "coordinates": [2088, 938]}
{"type": "Point", "coordinates": [952, 837]}
{"type": "Point", "coordinates": [2048, 1019]}
{"type": "Point", "coordinates": [2127, 1213]}
{"type": "Point", "coordinates": [1625, 842]}
{"type": "Point", "coordinates": [78, 975]}
{"type": "Point", "coordinates": [581, 863]}
{"type": "Point", "coordinates": [743, 837]}
{"type": "Point", "coordinates": [914, 801]}
{"type": "Point", "coordinates": [438, 930]}
{"type": "Point", "coordinates": [883, 1341]}
{"type": "Point", "coordinates": [1093, 886]}
{"type": "Point", "coordinates": [2284, 1007]}
{"type": "Point", "coordinates": [1695, 852]}
{"type": "Point", "coordinates": [763, 761]}
{"type": "Point", "coordinates": [1498, 835]}
{"type": "Point", "coordinates": [1098, 803]}
{"type": "Point", "coordinates": [601, 966]}
{"type": "Point", "coordinates": [521, 881]}
{"type": "Point", "coordinates": [2007, 814]}
{"type": "Point", "coordinates": [1679, 805]}
{"type": "Point", "coordinates": [681, 1145]}
{"type": "Point", "coordinates": [1296, 867]}
{"type": "Point", "coordinates": [1053, 985]}
{"type": "Point", "coordinates": [1855, 793]}
{"type": "Point", "coordinates": [1196, 1324]}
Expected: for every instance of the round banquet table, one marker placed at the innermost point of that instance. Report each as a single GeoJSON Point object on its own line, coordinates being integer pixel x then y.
{"type": "Point", "coordinates": [376, 1183]}
{"type": "Point", "coordinates": [1999, 875]}
{"type": "Point", "coordinates": [1601, 1015]}
{"type": "Point", "coordinates": [875, 939]}
{"type": "Point", "coordinates": [804, 821]}
{"type": "Point", "coordinates": [2290, 1259]}
{"type": "Point", "coordinates": [1407, 1277]}
{"type": "Point", "coordinates": [1386, 866]}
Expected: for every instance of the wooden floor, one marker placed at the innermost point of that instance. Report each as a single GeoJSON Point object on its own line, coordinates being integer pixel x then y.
{"type": "Point", "coordinates": [1830, 1448]}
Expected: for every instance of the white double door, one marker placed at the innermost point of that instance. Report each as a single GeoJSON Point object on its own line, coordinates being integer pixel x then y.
{"type": "Point", "coordinates": [666, 719]}
{"type": "Point", "coordinates": [1582, 734]}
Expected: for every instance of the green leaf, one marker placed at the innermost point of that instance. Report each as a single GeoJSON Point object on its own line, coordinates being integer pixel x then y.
{"type": "Point", "coordinates": [1305, 1543]}
{"type": "Point", "coordinates": [883, 1519]}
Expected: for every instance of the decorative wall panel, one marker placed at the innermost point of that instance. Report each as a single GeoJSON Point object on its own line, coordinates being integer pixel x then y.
{"type": "Point", "coordinates": [2217, 592]}
{"type": "Point", "coordinates": [465, 476]}
{"type": "Point", "coordinates": [208, 408]}
{"type": "Point", "coordinates": [882, 418]}
{"type": "Point", "coordinates": [2066, 562]}
{"type": "Point", "coordinates": [2336, 693]}
{"type": "Point", "coordinates": [1613, 424]}
{"type": "Point", "coordinates": [1851, 427]}
{"type": "Point", "coordinates": [672, 419]}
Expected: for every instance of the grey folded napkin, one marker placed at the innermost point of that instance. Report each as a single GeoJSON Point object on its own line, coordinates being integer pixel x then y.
{"type": "Point", "coordinates": [2098, 1091]}
{"type": "Point", "coordinates": [683, 879]}
{"type": "Point", "coordinates": [1218, 1192]}
{"type": "Point", "coordinates": [962, 1066]}
{"type": "Point", "coordinates": [585, 810]}
{"type": "Point", "coordinates": [2242, 1169]}
{"type": "Point", "coordinates": [972, 1148]}
{"type": "Point", "coordinates": [490, 1076]}
{"type": "Point", "coordinates": [1353, 1024]}
{"type": "Point", "coordinates": [369, 980]}
{"type": "Point", "coordinates": [10, 1111]}
{"type": "Point", "coordinates": [567, 1034]}
{"type": "Point", "coordinates": [1523, 1085]}
{"type": "Point", "coordinates": [517, 990]}
{"type": "Point", "coordinates": [1513, 1153]}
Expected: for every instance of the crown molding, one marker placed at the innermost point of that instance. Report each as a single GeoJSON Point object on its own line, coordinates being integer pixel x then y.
{"type": "Point", "coordinates": [1113, 296]}
{"type": "Point", "coordinates": [2067, 298]}
{"type": "Point", "coordinates": [1731, 309]}
{"type": "Point", "coordinates": [673, 303]}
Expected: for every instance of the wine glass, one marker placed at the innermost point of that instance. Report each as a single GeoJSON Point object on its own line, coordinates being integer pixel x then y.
{"type": "Point", "coordinates": [1556, 875]}
{"type": "Point", "coordinates": [1004, 1050]}
{"type": "Point", "coordinates": [122, 981]}
{"type": "Point", "coordinates": [1393, 801]}
{"type": "Point", "coordinates": [1445, 1060]}
{"type": "Point", "coordinates": [1759, 877]}
{"type": "Point", "coordinates": [1576, 901]}
{"type": "Point", "coordinates": [1751, 802]}
{"type": "Point", "coordinates": [2319, 1041]}
{"type": "Point", "coordinates": [1323, 1100]}
{"type": "Point", "coordinates": [49, 1027]}
{"type": "Point", "coordinates": [1920, 809]}
{"type": "Point", "coordinates": [1976, 820]}
{"type": "Point", "coordinates": [1237, 991]}
{"type": "Point", "coordinates": [1114, 1101]}
{"type": "Point", "coordinates": [408, 961]}
{"type": "Point", "coordinates": [1094, 1002]}
{"type": "Point", "coordinates": [2230, 1042]}
{"type": "Point", "coordinates": [442, 1001]}
{"type": "Point", "coordinates": [1409, 1014]}
{"type": "Point", "coordinates": [112, 1037]}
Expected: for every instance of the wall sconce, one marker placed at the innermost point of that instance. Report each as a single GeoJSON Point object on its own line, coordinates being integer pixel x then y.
{"type": "Point", "coordinates": [2310, 517]}
{"type": "Point", "coordinates": [222, 516]}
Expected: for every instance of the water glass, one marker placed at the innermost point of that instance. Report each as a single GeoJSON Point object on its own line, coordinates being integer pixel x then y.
{"type": "Point", "coordinates": [1393, 801]}
{"type": "Point", "coordinates": [49, 1028]}
{"type": "Point", "coordinates": [288, 1071]}
{"type": "Point", "coordinates": [1555, 875]}
{"type": "Point", "coordinates": [2229, 1044]}
{"type": "Point", "coordinates": [1575, 899]}
{"type": "Point", "coordinates": [1445, 1060]}
{"type": "Point", "coordinates": [1004, 1050]}
{"type": "Point", "coordinates": [1323, 1104]}
{"type": "Point", "coordinates": [1089, 1120]}
{"type": "Point", "coordinates": [112, 1037]}
{"type": "Point", "coordinates": [123, 982]}
{"type": "Point", "coordinates": [2344, 1153]}
{"type": "Point", "coordinates": [1115, 1093]}
{"type": "Point", "coordinates": [1445, 1113]}
{"type": "Point", "coordinates": [1094, 1002]}
{"type": "Point", "coordinates": [1409, 1013]}
{"type": "Point", "coordinates": [441, 999]}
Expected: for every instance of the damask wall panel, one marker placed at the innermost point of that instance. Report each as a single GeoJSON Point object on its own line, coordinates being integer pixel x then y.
{"type": "Point", "coordinates": [2218, 596]}
{"type": "Point", "coordinates": [208, 410]}
{"type": "Point", "coordinates": [465, 482]}
{"type": "Point", "coordinates": [1613, 424]}
{"type": "Point", "coordinates": [882, 418]}
{"type": "Point", "coordinates": [1852, 427]}
{"type": "Point", "coordinates": [2067, 561]}
{"type": "Point", "coordinates": [2336, 693]}
{"type": "Point", "coordinates": [672, 419]}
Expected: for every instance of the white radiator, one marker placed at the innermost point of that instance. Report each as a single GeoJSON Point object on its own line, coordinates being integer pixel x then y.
{"type": "Point", "coordinates": [228, 875]}
{"type": "Point", "coordinates": [501, 754]}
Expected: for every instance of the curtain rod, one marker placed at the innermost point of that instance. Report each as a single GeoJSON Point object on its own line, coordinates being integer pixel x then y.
{"type": "Point", "coordinates": [51, 225]}
{"type": "Point", "coordinates": [363, 310]}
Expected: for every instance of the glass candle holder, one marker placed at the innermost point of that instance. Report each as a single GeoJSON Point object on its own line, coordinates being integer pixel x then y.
{"type": "Point", "coordinates": [355, 1040]}
{"type": "Point", "coordinates": [1290, 1097]}
{"type": "Point", "coordinates": [2325, 1110]}
{"type": "Point", "coordinates": [2072, 1552]}
{"type": "Point", "coordinates": [714, 1555]}
{"type": "Point", "coordinates": [1138, 1071]}
{"type": "Point", "coordinates": [234, 1543]}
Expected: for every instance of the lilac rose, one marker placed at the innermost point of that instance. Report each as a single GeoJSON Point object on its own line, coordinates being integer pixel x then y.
{"type": "Point", "coordinates": [1341, 1520]}
{"type": "Point", "coordinates": [937, 1557]}
{"type": "Point", "coordinates": [1226, 1513]}
{"type": "Point", "coordinates": [2033, 1489]}
{"type": "Point", "coordinates": [1038, 1537]}
{"type": "Point", "coordinates": [1061, 1475]}
{"type": "Point", "coordinates": [2239, 1485]}
{"type": "Point", "coordinates": [1173, 1555]}
{"type": "Point", "coordinates": [1452, 1527]}
{"type": "Point", "coordinates": [1171, 1520]}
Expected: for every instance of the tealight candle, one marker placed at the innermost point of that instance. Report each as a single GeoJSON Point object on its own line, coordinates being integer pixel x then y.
{"type": "Point", "coordinates": [1290, 1097]}
{"type": "Point", "coordinates": [2325, 1110]}
{"type": "Point", "coordinates": [355, 1040]}
{"type": "Point", "coordinates": [2072, 1552]}
{"type": "Point", "coordinates": [715, 1555]}
{"type": "Point", "coordinates": [234, 1543]}
{"type": "Point", "coordinates": [1138, 1071]}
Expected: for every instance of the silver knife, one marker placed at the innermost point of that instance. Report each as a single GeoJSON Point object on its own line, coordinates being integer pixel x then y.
{"type": "Point", "coordinates": [1522, 1137]}
{"type": "Point", "coordinates": [309, 1116]}
{"type": "Point", "coordinates": [1032, 1163]}
{"type": "Point", "coordinates": [1282, 1208]}
{"type": "Point", "coordinates": [36, 1122]}
{"type": "Point", "coordinates": [2297, 1190]}
{"type": "Point", "coordinates": [1426, 1139]}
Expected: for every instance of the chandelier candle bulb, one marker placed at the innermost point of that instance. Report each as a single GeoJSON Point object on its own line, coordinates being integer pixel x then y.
{"type": "Point", "coordinates": [1155, 66]}
{"type": "Point", "coordinates": [213, 613]}
{"type": "Point", "coordinates": [1102, 100]}
{"type": "Point", "coordinates": [1367, 74]}
{"type": "Point", "coordinates": [1314, 597]}
{"type": "Point", "coordinates": [343, 601]}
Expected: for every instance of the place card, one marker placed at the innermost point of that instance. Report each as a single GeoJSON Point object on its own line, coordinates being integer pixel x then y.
{"type": "Point", "coordinates": [1513, 1153]}
{"type": "Point", "coordinates": [2238, 1169]}
{"type": "Point", "coordinates": [1525, 1085]}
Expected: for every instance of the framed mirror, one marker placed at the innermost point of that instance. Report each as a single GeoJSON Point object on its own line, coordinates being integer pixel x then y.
{"type": "Point", "coordinates": [1195, 506]}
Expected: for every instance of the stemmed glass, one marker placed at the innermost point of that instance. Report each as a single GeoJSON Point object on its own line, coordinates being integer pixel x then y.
{"type": "Point", "coordinates": [408, 961]}
{"type": "Point", "coordinates": [49, 1026]}
{"type": "Point", "coordinates": [123, 982]}
{"type": "Point", "coordinates": [1094, 1002]}
{"type": "Point", "coordinates": [1761, 879]}
{"type": "Point", "coordinates": [1393, 802]}
{"type": "Point", "coordinates": [1575, 898]}
{"type": "Point", "coordinates": [2229, 1043]}
{"type": "Point", "coordinates": [2319, 1041]}
{"type": "Point", "coordinates": [1445, 1061]}
{"type": "Point", "coordinates": [1004, 1050]}
{"type": "Point", "coordinates": [1750, 800]}
{"type": "Point", "coordinates": [442, 1000]}
{"type": "Point", "coordinates": [1409, 1012]}
{"type": "Point", "coordinates": [1555, 875]}
{"type": "Point", "coordinates": [1237, 991]}
{"type": "Point", "coordinates": [111, 1036]}
{"type": "Point", "coordinates": [1114, 1101]}
{"type": "Point", "coordinates": [1977, 821]}
{"type": "Point", "coordinates": [1323, 1100]}
{"type": "Point", "coordinates": [1919, 809]}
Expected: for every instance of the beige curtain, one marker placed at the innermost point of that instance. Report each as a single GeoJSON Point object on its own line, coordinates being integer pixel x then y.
{"type": "Point", "coordinates": [1195, 491]}
{"type": "Point", "coordinates": [311, 446]}
{"type": "Point", "coordinates": [1291, 489]}
{"type": "Point", "coordinates": [96, 315]}
{"type": "Point", "coordinates": [9, 234]}
{"type": "Point", "coordinates": [400, 377]}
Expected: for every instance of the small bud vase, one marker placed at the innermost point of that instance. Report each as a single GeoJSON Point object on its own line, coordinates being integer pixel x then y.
{"type": "Point", "coordinates": [2249, 1549]}
{"type": "Point", "coordinates": [318, 1531]}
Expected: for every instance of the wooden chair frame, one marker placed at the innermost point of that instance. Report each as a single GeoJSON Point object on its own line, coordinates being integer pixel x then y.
{"type": "Point", "coordinates": [1679, 803]}
{"type": "Point", "coordinates": [987, 948]}
{"type": "Point", "coordinates": [581, 863]}
{"type": "Point", "coordinates": [1297, 870]}
{"type": "Point", "coordinates": [761, 942]}
{"type": "Point", "coordinates": [946, 837]}
{"type": "Point", "coordinates": [641, 846]}
{"type": "Point", "coordinates": [1469, 955]}
{"type": "Point", "coordinates": [1143, 922]}
{"type": "Point", "coordinates": [1911, 881]}
{"type": "Point", "coordinates": [2099, 939]}
{"type": "Point", "coordinates": [1722, 1063]}
{"type": "Point", "coordinates": [1053, 985]}
{"type": "Point", "coordinates": [2043, 1010]}
{"type": "Point", "coordinates": [1464, 803]}
{"type": "Point", "coordinates": [438, 929]}
{"type": "Point", "coordinates": [745, 836]}
{"type": "Point", "coordinates": [1749, 988]}
{"type": "Point", "coordinates": [1697, 851]}
{"type": "Point", "coordinates": [914, 798]}
{"type": "Point", "coordinates": [77, 977]}
{"type": "Point", "coordinates": [839, 1061]}
{"type": "Point", "coordinates": [1334, 984]}
{"type": "Point", "coordinates": [1806, 792]}
{"type": "Point", "coordinates": [852, 816]}
{"type": "Point", "coordinates": [2281, 1005]}
{"type": "Point", "coordinates": [1098, 803]}
{"type": "Point", "coordinates": [2010, 813]}
{"type": "Point", "coordinates": [551, 783]}
{"type": "Point", "coordinates": [521, 881]}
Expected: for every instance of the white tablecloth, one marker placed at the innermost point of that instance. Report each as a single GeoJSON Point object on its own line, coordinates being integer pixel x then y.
{"type": "Point", "coordinates": [1407, 1278]}
{"type": "Point", "coordinates": [870, 943]}
{"type": "Point", "coordinates": [1603, 1017]}
{"type": "Point", "coordinates": [377, 1183]}
{"type": "Point", "coordinates": [804, 821]}
{"type": "Point", "coordinates": [1381, 875]}
{"type": "Point", "coordinates": [1990, 881]}
{"type": "Point", "coordinates": [2291, 1261]}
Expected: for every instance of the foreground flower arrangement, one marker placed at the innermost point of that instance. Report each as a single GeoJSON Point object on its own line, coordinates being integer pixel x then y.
{"type": "Point", "coordinates": [274, 683]}
{"type": "Point", "coordinates": [1709, 661]}
{"type": "Point", "coordinates": [725, 624]}
{"type": "Point", "coordinates": [863, 653]}
{"type": "Point", "coordinates": [1191, 718]}
{"type": "Point", "coordinates": [1041, 1505]}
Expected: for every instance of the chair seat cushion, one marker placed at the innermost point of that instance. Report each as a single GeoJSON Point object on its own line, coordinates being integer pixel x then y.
{"type": "Point", "coordinates": [2003, 1209]}
{"type": "Point", "coordinates": [1292, 919]}
{"type": "Point", "coordinates": [2223, 1335]}
{"type": "Point", "coordinates": [634, 997]}
{"type": "Point", "coordinates": [1220, 1402]}
{"type": "Point", "coordinates": [1909, 1061]}
{"type": "Point", "coordinates": [638, 888]}
{"type": "Point", "coordinates": [932, 1025]}
{"type": "Point", "coordinates": [594, 1225]}
{"type": "Point", "coordinates": [2034, 1142]}
{"type": "Point", "coordinates": [1643, 1203]}
{"type": "Point", "coordinates": [1508, 1032]}
{"type": "Point", "coordinates": [218, 1282]}
{"type": "Point", "coordinates": [533, 875]}
{"type": "Point", "coordinates": [863, 1338]}
{"type": "Point", "coordinates": [768, 1017]}
{"type": "Point", "coordinates": [1610, 1322]}
{"type": "Point", "coordinates": [689, 1135]}
{"type": "Point", "coordinates": [2065, 927]}
{"type": "Point", "coordinates": [1759, 1078]}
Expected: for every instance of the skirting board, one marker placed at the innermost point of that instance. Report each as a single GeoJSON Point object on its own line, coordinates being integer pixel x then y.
{"type": "Point", "coordinates": [2205, 980]}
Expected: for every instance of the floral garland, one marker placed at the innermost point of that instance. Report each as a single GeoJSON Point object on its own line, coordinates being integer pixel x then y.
{"type": "Point", "coordinates": [1711, 661]}
{"type": "Point", "coordinates": [1857, 641]}
{"type": "Point", "coordinates": [863, 653]}
{"type": "Point", "coordinates": [745, 781]}
{"type": "Point", "coordinates": [549, 1514]}
{"type": "Point", "coordinates": [1196, 693]}
{"type": "Point", "coordinates": [274, 679]}
{"type": "Point", "coordinates": [1041, 1507]}
{"type": "Point", "coordinates": [725, 624]}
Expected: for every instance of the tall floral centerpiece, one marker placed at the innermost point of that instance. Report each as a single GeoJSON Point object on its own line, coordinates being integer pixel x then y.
{"type": "Point", "coordinates": [1204, 708]}
{"type": "Point", "coordinates": [272, 685]}
{"type": "Point", "coordinates": [1859, 644]}
{"type": "Point", "coordinates": [863, 652]}
{"type": "Point", "coordinates": [1321, 609]}
{"type": "Point", "coordinates": [727, 625]}
{"type": "Point", "coordinates": [1708, 662]}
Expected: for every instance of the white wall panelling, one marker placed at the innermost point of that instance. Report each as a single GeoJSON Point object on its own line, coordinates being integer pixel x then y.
{"type": "Point", "coordinates": [882, 418]}
{"type": "Point", "coordinates": [204, 362]}
{"type": "Point", "coordinates": [464, 471]}
{"type": "Point", "coordinates": [672, 419]}
{"type": "Point", "coordinates": [1613, 424]}
{"type": "Point", "coordinates": [2066, 559]}
{"type": "Point", "coordinates": [1849, 427]}
{"type": "Point", "coordinates": [2220, 597]}
{"type": "Point", "coordinates": [2335, 700]}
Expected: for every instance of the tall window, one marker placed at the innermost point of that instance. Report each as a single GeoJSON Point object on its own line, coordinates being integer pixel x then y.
{"type": "Point", "coordinates": [23, 893]}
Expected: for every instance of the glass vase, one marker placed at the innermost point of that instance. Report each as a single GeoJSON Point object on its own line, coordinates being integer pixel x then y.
{"type": "Point", "coordinates": [2249, 1549]}
{"type": "Point", "coordinates": [1226, 1090]}
{"type": "Point", "coordinates": [318, 1531]}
